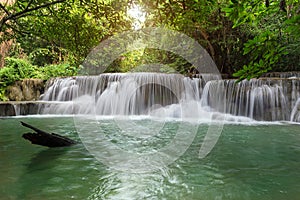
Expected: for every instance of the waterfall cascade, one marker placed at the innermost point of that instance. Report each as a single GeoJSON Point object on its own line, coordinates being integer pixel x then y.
{"type": "Point", "coordinates": [259, 99]}
{"type": "Point", "coordinates": [120, 94]}
{"type": "Point", "coordinates": [173, 95]}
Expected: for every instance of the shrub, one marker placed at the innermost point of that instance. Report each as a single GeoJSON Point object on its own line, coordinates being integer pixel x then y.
{"type": "Point", "coordinates": [59, 70]}
{"type": "Point", "coordinates": [18, 69]}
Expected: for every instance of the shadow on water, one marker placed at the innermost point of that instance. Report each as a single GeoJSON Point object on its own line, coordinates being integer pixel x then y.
{"type": "Point", "coordinates": [39, 171]}
{"type": "Point", "coordinates": [59, 173]}
{"type": "Point", "coordinates": [46, 158]}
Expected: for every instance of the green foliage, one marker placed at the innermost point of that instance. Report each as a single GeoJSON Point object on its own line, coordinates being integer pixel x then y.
{"type": "Point", "coordinates": [239, 35]}
{"type": "Point", "coordinates": [65, 31]}
{"type": "Point", "coordinates": [12, 11]}
{"type": "Point", "coordinates": [293, 25]}
{"type": "Point", "coordinates": [2, 93]}
{"type": "Point", "coordinates": [150, 60]}
{"type": "Point", "coordinates": [59, 70]}
{"type": "Point", "coordinates": [18, 69]}
{"type": "Point", "coordinates": [273, 29]}
{"type": "Point", "coordinates": [290, 62]}
{"type": "Point", "coordinates": [242, 12]}
{"type": "Point", "coordinates": [263, 55]}
{"type": "Point", "coordinates": [40, 56]}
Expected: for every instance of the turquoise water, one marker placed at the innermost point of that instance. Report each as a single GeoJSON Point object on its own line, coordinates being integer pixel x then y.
{"type": "Point", "coordinates": [248, 162]}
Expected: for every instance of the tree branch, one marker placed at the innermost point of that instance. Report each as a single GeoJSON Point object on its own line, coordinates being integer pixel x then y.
{"type": "Point", "coordinates": [5, 10]}
{"type": "Point", "coordinates": [19, 14]}
{"type": "Point", "coordinates": [24, 12]}
{"type": "Point", "coordinates": [28, 5]}
{"type": "Point", "coordinates": [210, 46]}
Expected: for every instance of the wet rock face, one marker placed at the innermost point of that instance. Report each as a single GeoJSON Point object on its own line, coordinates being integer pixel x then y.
{"type": "Point", "coordinates": [26, 90]}
{"type": "Point", "coordinates": [14, 108]}
{"type": "Point", "coordinates": [28, 108]}
{"type": "Point", "coordinates": [292, 74]}
{"type": "Point", "coordinates": [7, 109]}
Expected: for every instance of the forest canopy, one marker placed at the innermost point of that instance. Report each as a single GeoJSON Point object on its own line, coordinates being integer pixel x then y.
{"type": "Point", "coordinates": [244, 38]}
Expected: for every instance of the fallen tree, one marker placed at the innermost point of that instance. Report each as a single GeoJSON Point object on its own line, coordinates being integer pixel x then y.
{"type": "Point", "coordinates": [46, 139]}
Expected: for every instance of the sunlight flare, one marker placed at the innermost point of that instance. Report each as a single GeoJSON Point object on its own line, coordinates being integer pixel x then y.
{"type": "Point", "coordinates": [138, 16]}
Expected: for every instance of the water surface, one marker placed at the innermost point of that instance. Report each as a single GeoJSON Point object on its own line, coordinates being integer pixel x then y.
{"type": "Point", "coordinates": [249, 162]}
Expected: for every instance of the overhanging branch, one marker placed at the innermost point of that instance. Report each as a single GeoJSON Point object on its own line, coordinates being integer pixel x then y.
{"type": "Point", "coordinates": [5, 10]}
{"type": "Point", "coordinates": [17, 15]}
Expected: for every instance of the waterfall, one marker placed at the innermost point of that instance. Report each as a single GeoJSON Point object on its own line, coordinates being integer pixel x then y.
{"type": "Point", "coordinates": [295, 115]}
{"type": "Point", "coordinates": [259, 99]}
{"type": "Point", "coordinates": [17, 109]}
{"type": "Point", "coordinates": [173, 95]}
{"type": "Point", "coordinates": [120, 94]}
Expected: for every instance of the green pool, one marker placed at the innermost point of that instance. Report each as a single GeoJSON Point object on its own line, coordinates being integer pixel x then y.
{"type": "Point", "coordinates": [258, 161]}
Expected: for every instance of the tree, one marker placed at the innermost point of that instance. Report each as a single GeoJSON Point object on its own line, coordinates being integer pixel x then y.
{"type": "Point", "coordinates": [272, 26]}
{"type": "Point", "coordinates": [56, 31]}
{"type": "Point", "coordinates": [12, 12]}
{"type": "Point", "coordinates": [251, 36]}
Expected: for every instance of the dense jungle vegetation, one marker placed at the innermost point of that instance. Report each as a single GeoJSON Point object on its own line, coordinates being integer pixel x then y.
{"type": "Point", "coordinates": [46, 38]}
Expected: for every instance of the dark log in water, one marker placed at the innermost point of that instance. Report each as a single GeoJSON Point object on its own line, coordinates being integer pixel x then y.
{"type": "Point", "coordinates": [46, 139]}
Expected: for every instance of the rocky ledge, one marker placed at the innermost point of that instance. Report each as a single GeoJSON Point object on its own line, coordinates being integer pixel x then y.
{"type": "Point", "coordinates": [14, 108]}
{"type": "Point", "coordinates": [26, 90]}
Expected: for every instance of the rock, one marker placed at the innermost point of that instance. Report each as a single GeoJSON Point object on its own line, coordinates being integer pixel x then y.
{"type": "Point", "coordinates": [7, 109]}
{"type": "Point", "coordinates": [291, 74]}
{"type": "Point", "coordinates": [26, 90]}
{"type": "Point", "coordinates": [14, 108]}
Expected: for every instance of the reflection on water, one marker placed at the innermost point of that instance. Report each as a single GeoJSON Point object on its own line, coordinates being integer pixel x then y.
{"type": "Point", "coordinates": [249, 162]}
{"type": "Point", "coordinates": [158, 185]}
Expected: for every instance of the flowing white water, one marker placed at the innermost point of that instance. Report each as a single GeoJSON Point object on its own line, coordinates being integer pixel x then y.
{"type": "Point", "coordinates": [175, 96]}
{"type": "Point", "coordinates": [295, 115]}
{"type": "Point", "coordinates": [120, 94]}
{"type": "Point", "coordinates": [266, 99]}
